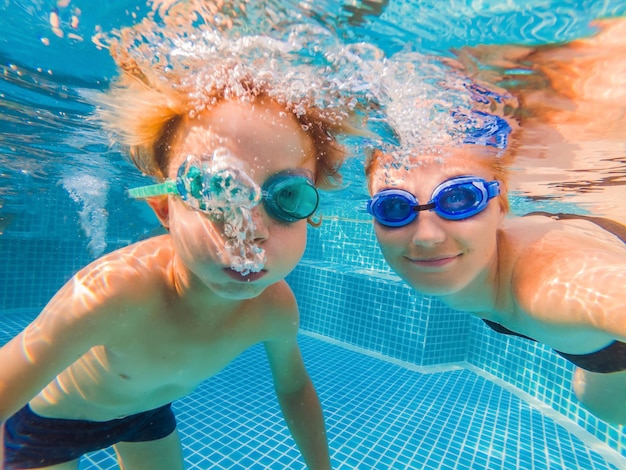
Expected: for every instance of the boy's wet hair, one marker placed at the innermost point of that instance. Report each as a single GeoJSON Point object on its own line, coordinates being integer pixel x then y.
{"type": "Point", "coordinates": [146, 118]}
{"type": "Point", "coordinates": [182, 60]}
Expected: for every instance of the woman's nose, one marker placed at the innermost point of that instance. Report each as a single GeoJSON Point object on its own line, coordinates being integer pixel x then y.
{"type": "Point", "coordinates": [428, 229]}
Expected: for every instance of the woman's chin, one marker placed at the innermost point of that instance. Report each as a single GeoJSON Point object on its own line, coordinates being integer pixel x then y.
{"type": "Point", "coordinates": [432, 287]}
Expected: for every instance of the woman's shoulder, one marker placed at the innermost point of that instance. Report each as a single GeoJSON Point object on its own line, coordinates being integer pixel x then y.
{"type": "Point", "coordinates": [557, 262]}
{"type": "Point", "coordinates": [566, 231]}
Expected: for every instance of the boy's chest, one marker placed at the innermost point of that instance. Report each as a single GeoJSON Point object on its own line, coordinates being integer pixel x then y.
{"type": "Point", "coordinates": [182, 353]}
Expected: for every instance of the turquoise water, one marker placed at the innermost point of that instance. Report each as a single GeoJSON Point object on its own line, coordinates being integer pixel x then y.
{"type": "Point", "coordinates": [404, 381]}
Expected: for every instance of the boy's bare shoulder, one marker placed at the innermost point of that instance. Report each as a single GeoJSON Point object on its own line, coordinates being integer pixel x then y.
{"type": "Point", "coordinates": [90, 304]}
{"type": "Point", "coordinates": [279, 297]}
{"type": "Point", "coordinates": [130, 273]}
{"type": "Point", "coordinates": [135, 262]}
{"type": "Point", "coordinates": [278, 305]}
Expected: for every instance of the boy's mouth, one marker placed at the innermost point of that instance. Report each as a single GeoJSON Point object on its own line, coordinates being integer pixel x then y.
{"type": "Point", "coordinates": [250, 277]}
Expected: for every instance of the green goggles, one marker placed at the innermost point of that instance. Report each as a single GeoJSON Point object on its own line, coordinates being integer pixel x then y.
{"type": "Point", "coordinates": [288, 196]}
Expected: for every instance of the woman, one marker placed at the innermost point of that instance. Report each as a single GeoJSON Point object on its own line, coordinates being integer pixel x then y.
{"type": "Point", "coordinates": [558, 279]}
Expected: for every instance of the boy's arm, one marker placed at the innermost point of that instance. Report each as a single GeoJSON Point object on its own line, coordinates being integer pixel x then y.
{"type": "Point", "coordinates": [297, 396]}
{"type": "Point", "coordinates": [61, 334]}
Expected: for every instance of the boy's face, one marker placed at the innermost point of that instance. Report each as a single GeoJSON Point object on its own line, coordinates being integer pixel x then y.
{"type": "Point", "coordinates": [267, 140]}
{"type": "Point", "coordinates": [434, 255]}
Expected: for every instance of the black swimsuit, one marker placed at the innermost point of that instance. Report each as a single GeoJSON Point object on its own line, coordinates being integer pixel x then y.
{"type": "Point", "coordinates": [32, 441]}
{"type": "Point", "coordinates": [612, 358]}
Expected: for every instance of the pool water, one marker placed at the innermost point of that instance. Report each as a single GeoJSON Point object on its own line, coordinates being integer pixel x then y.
{"type": "Point", "coordinates": [405, 382]}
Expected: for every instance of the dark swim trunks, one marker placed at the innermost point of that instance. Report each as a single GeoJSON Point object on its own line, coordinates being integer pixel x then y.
{"type": "Point", "coordinates": [32, 441]}
{"type": "Point", "coordinates": [606, 360]}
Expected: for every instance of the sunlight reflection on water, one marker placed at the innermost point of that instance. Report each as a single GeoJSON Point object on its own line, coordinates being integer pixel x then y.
{"type": "Point", "coordinates": [46, 87]}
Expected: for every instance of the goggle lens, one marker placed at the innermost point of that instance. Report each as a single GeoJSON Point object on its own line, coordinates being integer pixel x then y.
{"type": "Point", "coordinates": [287, 196]}
{"type": "Point", "coordinates": [458, 200]}
{"type": "Point", "coordinates": [290, 196]}
{"type": "Point", "coordinates": [394, 209]}
{"type": "Point", "coordinates": [192, 183]}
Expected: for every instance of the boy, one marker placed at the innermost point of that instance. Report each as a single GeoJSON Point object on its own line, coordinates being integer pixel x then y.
{"type": "Point", "coordinates": [144, 325]}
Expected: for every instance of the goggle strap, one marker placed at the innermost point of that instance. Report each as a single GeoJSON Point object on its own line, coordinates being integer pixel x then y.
{"type": "Point", "coordinates": [152, 190]}
{"type": "Point", "coordinates": [493, 189]}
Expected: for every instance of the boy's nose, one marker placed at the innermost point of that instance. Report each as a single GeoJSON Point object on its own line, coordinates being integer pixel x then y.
{"type": "Point", "coordinates": [261, 229]}
{"type": "Point", "coordinates": [428, 229]}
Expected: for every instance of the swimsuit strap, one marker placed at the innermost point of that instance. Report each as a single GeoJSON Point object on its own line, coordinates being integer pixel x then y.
{"type": "Point", "coordinates": [611, 358]}
{"type": "Point", "coordinates": [504, 330]}
{"type": "Point", "coordinates": [611, 226]}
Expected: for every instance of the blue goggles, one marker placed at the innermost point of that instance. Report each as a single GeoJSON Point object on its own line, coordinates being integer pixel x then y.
{"type": "Point", "coordinates": [455, 199]}
{"type": "Point", "coordinates": [288, 196]}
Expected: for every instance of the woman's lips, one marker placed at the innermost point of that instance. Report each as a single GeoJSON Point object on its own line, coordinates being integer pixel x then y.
{"type": "Point", "coordinates": [250, 277]}
{"type": "Point", "coordinates": [434, 262]}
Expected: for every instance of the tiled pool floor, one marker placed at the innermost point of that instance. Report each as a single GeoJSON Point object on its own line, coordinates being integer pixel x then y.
{"type": "Point", "coordinates": [379, 416]}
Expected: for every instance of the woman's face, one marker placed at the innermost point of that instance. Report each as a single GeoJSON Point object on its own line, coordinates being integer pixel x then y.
{"type": "Point", "coordinates": [266, 140]}
{"type": "Point", "coordinates": [433, 255]}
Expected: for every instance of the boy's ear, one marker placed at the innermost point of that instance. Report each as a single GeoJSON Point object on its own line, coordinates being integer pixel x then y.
{"type": "Point", "coordinates": [160, 206]}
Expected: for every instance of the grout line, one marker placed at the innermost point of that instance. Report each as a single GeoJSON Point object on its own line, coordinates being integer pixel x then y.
{"type": "Point", "coordinates": [609, 454]}
{"type": "Point", "coordinates": [452, 366]}
{"type": "Point", "coordinates": [20, 311]}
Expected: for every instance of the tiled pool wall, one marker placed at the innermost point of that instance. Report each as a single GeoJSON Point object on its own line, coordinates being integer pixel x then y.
{"type": "Point", "coordinates": [345, 290]}
{"type": "Point", "coordinates": [43, 243]}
